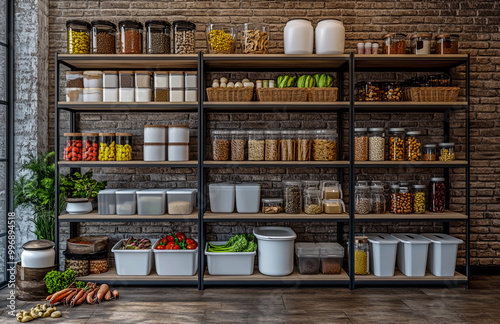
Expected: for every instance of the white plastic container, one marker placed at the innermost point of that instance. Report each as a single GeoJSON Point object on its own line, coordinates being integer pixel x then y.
{"type": "Point", "coordinates": [178, 152]}
{"type": "Point", "coordinates": [110, 79]}
{"type": "Point", "coordinates": [110, 94]}
{"type": "Point", "coordinates": [126, 202]}
{"type": "Point", "coordinates": [92, 79]}
{"type": "Point", "coordinates": [275, 247]}
{"type": "Point", "coordinates": [176, 262]}
{"type": "Point", "coordinates": [247, 198]}
{"type": "Point", "coordinates": [154, 152]}
{"type": "Point", "coordinates": [161, 80]}
{"type": "Point", "coordinates": [229, 264]}
{"type": "Point", "coordinates": [155, 134]}
{"type": "Point", "coordinates": [74, 94]}
{"type": "Point", "coordinates": [176, 95]}
{"type": "Point", "coordinates": [106, 202]}
{"type": "Point", "coordinates": [412, 254]}
{"type": "Point", "coordinates": [92, 94]}
{"type": "Point", "coordinates": [151, 202]}
{"type": "Point", "coordinates": [176, 80]}
{"type": "Point", "coordinates": [442, 256]}
{"type": "Point", "coordinates": [190, 79]}
{"type": "Point", "coordinates": [222, 197]}
{"type": "Point", "coordinates": [178, 134]}
{"type": "Point", "coordinates": [298, 37]}
{"type": "Point", "coordinates": [38, 254]}
{"type": "Point", "coordinates": [383, 248]}
{"type": "Point", "coordinates": [191, 95]}
{"type": "Point", "coordinates": [143, 94]}
{"type": "Point", "coordinates": [330, 37]}
{"type": "Point", "coordinates": [133, 262]}
{"type": "Point", "coordinates": [126, 94]}
{"type": "Point", "coordinates": [181, 201]}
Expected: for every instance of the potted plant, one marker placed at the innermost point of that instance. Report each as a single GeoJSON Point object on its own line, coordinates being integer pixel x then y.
{"type": "Point", "coordinates": [79, 191]}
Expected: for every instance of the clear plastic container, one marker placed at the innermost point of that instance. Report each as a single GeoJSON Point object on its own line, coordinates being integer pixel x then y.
{"type": "Point", "coordinates": [292, 197]}
{"type": "Point", "coordinates": [429, 152]}
{"type": "Point", "coordinates": [123, 146]}
{"type": "Point", "coordinates": [238, 145]}
{"type": "Point", "coordinates": [151, 201]}
{"type": "Point", "coordinates": [312, 201]}
{"type": "Point", "coordinates": [331, 190]}
{"type": "Point", "coordinates": [126, 95]}
{"type": "Point", "coordinates": [222, 197]}
{"type": "Point", "coordinates": [324, 146]}
{"type": "Point", "coordinates": [176, 95]}
{"type": "Point", "coordinates": [413, 146]}
{"type": "Point", "coordinates": [191, 79]}
{"type": "Point", "coordinates": [176, 80]}
{"type": "Point", "coordinates": [421, 44]}
{"type": "Point", "coordinates": [447, 44]}
{"type": "Point", "coordinates": [394, 43]}
{"type": "Point", "coordinates": [92, 94]}
{"type": "Point", "coordinates": [74, 79]}
{"type": "Point", "coordinates": [143, 95]}
{"type": "Point", "coordinates": [78, 37]}
{"type": "Point", "coordinates": [437, 195]}
{"type": "Point", "coordinates": [155, 152]}
{"type": "Point", "coordinates": [307, 258]}
{"type": "Point", "coordinates": [90, 146]}
{"type": "Point", "coordinates": [190, 95]}
{"type": "Point", "coordinates": [221, 141]}
{"type": "Point", "coordinates": [361, 255]}
{"type": "Point", "coordinates": [103, 37]}
{"type": "Point", "coordinates": [362, 198]}
{"type": "Point", "coordinates": [272, 149]}
{"type": "Point", "coordinates": [106, 202]}
{"type": "Point", "coordinates": [255, 38]}
{"type": "Point", "coordinates": [221, 39]}
{"type": "Point", "coordinates": [162, 95]}
{"type": "Point", "coordinates": [127, 79]}
{"type": "Point", "coordinates": [396, 144]}
{"type": "Point", "coordinates": [446, 151]}
{"type": "Point", "coordinates": [110, 79]}
{"type": "Point", "coordinates": [304, 145]}
{"type": "Point", "coordinates": [158, 37]}
{"type": "Point", "coordinates": [73, 147]}
{"type": "Point", "coordinates": [180, 201]}
{"type": "Point", "coordinates": [74, 94]}
{"type": "Point", "coordinates": [333, 206]}
{"type": "Point", "coordinates": [126, 202]}
{"type": "Point", "coordinates": [272, 205]}
{"type": "Point", "coordinates": [418, 199]}
{"type": "Point", "coordinates": [377, 199]}
{"type": "Point", "coordinates": [360, 144]}
{"type": "Point", "coordinates": [376, 144]}
{"type": "Point", "coordinates": [311, 184]}
{"type": "Point", "coordinates": [161, 80]}
{"type": "Point", "coordinates": [288, 145]}
{"type": "Point", "coordinates": [331, 255]}
{"type": "Point", "coordinates": [92, 79]}
{"type": "Point", "coordinates": [107, 147]}
{"type": "Point", "coordinates": [184, 41]}
{"type": "Point", "coordinates": [256, 145]}
{"type": "Point", "coordinates": [130, 37]}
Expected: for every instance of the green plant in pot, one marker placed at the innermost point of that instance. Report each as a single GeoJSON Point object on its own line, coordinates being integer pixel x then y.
{"type": "Point", "coordinates": [80, 191]}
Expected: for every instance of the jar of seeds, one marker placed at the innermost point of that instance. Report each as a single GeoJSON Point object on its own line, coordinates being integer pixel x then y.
{"type": "Point", "coordinates": [293, 197]}
{"type": "Point", "coordinates": [158, 37]}
{"type": "Point", "coordinates": [184, 37]}
{"type": "Point", "coordinates": [238, 144]}
{"type": "Point", "coordinates": [362, 198]}
{"type": "Point", "coordinates": [272, 145]}
{"type": "Point", "coordinates": [220, 145]}
{"type": "Point", "coordinates": [256, 145]}
{"type": "Point", "coordinates": [312, 201]}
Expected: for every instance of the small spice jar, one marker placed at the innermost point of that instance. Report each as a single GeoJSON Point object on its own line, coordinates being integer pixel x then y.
{"type": "Point", "coordinates": [437, 195]}
{"type": "Point", "coordinates": [394, 43]}
{"type": "Point", "coordinates": [312, 201]}
{"type": "Point", "coordinates": [377, 198]}
{"type": "Point", "coordinates": [130, 37]}
{"type": "Point", "coordinates": [238, 144]}
{"type": "Point", "coordinates": [418, 197]}
{"type": "Point", "coordinates": [78, 37]}
{"type": "Point", "coordinates": [324, 145]}
{"type": "Point", "coordinates": [123, 146]}
{"type": "Point", "coordinates": [331, 190]}
{"type": "Point", "coordinates": [447, 44]}
{"type": "Point", "coordinates": [360, 144]}
{"type": "Point", "coordinates": [396, 144]}
{"type": "Point", "coordinates": [90, 146]}
{"type": "Point", "coordinates": [107, 147]}
{"type": "Point", "coordinates": [221, 145]}
{"type": "Point", "coordinates": [376, 144]}
{"type": "Point", "coordinates": [304, 145]}
{"type": "Point", "coordinates": [421, 44]}
{"type": "Point", "coordinates": [362, 198]}
{"type": "Point", "coordinates": [256, 145]}
{"type": "Point", "coordinates": [221, 39]}
{"type": "Point", "coordinates": [184, 37]}
{"type": "Point", "coordinates": [127, 86]}
{"type": "Point", "coordinates": [255, 38]}
{"type": "Point", "coordinates": [272, 149]}
{"type": "Point", "coordinates": [272, 205]}
{"type": "Point", "coordinates": [446, 151]}
{"type": "Point", "coordinates": [429, 152]}
{"type": "Point", "coordinates": [103, 37]}
{"type": "Point", "coordinates": [413, 146]}
{"type": "Point", "coordinates": [288, 146]}
{"type": "Point", "coordinates": [361, 258]}
{"type": "Point", "coordinates": [158, 37]}
{"type": "Point", "coordinates": [333, 206]}
{"type": "Point", "coordinates": [293, 197]}
{"type": "Point", "coordinates": [143, 86]}
{"type": "Point", "coordinates": [73, 147]}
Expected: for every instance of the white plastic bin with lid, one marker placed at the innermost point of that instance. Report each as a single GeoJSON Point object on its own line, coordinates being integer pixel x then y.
{"type": "Point", "coordinates": [307, 257]}
{"type": "Point", "coordinates": [176, 262]}
{"type": "Point", "coordinates": [383, 248]}
{"type": "Point", "coordinates": [151, 201]}
{"type": "Point", "coordinates": [442, 256]}
{"type": "Point", "coordinates": [126, 202]}
{"type": "Point", "coordinates": [412, 254]}
{"type": "Point", "coordinates": [247, 198]}
{"type": "Point", "coordinates": [106, 202]}
{"type": "Point", "coordinates": [332, 256]}
{"type": "Point", "coordinates": [180, 201]}
{"type": "Point", "coordinates": [230, 263]}
{"type": "Point", "coordinates": [275, 247]}
{"type": "Point", "coordinates": [222, 197]}
{"type": "Point", "coordinates": [133, 262]}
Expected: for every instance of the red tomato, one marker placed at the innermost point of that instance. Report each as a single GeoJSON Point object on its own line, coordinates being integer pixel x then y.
{"type": "Point", "coordinates": [190, 241]}
{"type": "Point", "coordinates": [170, 246]}
{"type": "Point", "coordinates": [176, 247]}
{"type": "Point", "coordinates": [192, 246]}
{"type": "Point", "coordinates": [170, 238]}
{"type": "Point", "coordinates": [180, 236]}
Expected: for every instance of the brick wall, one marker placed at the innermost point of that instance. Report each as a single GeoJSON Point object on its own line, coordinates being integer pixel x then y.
{"type": "Point", "coordinates": [477, 23]}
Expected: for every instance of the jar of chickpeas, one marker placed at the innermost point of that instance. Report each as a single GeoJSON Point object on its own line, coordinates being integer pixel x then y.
{"type": "Point", "coordinates": [418, 198]}
{"type": "Point", "coordinates": [446, 151]}
{"type": "Point", "coordinates": [396, 144]}
{"type": "Point", "coordinates": [413, 146]}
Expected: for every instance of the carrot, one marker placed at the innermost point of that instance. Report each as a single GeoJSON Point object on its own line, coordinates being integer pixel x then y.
{"type": "Point", "coordinates": [82, 299]}
{"type": "Point", "coordinates": [90, 296]}
{"type": "Point", "coordinates": [77, 297]}
{"type": "Point", "coordinates": [70, 296]}
{"type": "Point", "coordinates": [72, 285]}
{"type": "Point", "coordinates": [116, 294]}
{"type": "Point", "coordinates": [102, 291]}
{"type": "Point", "coordinates": [59, 296]}
{"type": "Point", "coordinates": [108, 295]}
{"type": "Point", "coordinates": [49, 297]}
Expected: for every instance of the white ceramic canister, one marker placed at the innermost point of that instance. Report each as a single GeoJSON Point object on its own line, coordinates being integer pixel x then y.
{"type": "Point", "coordinates": [178, 152]}
{"type": "Point", "coordinates": [176, 80]}
{"type": "Point", "coordinates": [330, 37]}
{"type": "Point", "coordinates": [177, 95]}
{"type": "Point", "coordinates": [191, 95]}
{"type": "Point", "coordinates": [178, 134]}
{"type": "Point", "coordinates": [38, 254]}
{"type": "Point", "coordinates": [92, 94]}
{"type": "Point", "coordinates": [155, 134]}
{"type": "Point", "coordinates": [298, 37]}
{"type": "Point", "coordinates": [154, 152]}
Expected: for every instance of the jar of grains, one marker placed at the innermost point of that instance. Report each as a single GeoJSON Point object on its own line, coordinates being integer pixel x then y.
{"type": "Point", "coordinates": [103, 37]}
{"type": "Point", "coordinates": [184, 37]}
{"type": "Point", "coordinates": [324, 146]}
{"type": "Point", "coordinates": [394, 43]}
{"type": "Point", "coordinates": [421, 44]}
{"type": "Point", "coordinates": [238, 144]}
{"type": "Point", "coordinates": [272, 150]}
{"type": "Point", "coordinates": [293, 197]}
{"type": "Point", "coordinates": [130, 37]}
{"type": "Point", "coordinates": [158, 37]}
{"type": "Point", "coordinates": [220, 145]}
{"type": "Point", "coordinates": [376, 144]}
{"type": "Point", "coordinates": [288, 145]}
{"type": "Point", "coordinates": [447, 44]}
{"type": "Point", "coordinates": [437, 195]}
{"type": "Point", "coordinates": [429, 152]}
{"type": "Point", "coordinates": [377, 198]}
{"type": "Point", "coordinates": [78, 37]}
{"type": "Point", "coordinates": [413, 146]}
{"type": "Point", "coordinates": [256, 145]}
{"type": "Point", "coordinates": [396, 144]}
{"type": "Point", "coordinates": [360, 144]}
{"type": "Point", "coordinates": [418, 197]}
{"type": "Point", "coordinates": [362, 198]}
{"type": "Point", "coordinates": [361, 251]}
{"type": "Point", "coordinates": [312, 201]}
{"type": "Point", "coordinates": [304, 145]}
{"type": "Point", "coordinates": [446, 151]}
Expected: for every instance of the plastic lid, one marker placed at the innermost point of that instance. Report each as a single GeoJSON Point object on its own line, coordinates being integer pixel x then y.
{"type": "Point", "coordinates": [311, 183]}
{"type": "Point", "coordinates": [38, 245]}
{"type": "Point", "coordinates": [437, 179]}
{"type": "Point", "coordinates": [78, 22]}
{"type": "Point", "coordinates": [269, 233]}
{"type": "Point", "coordinates": [248, 186]}
{"type": "Point", "coordinates": [74, 72]}
{"type": "Point", "coordinates": [272, 200]}
{"type": "Point", "coordinates": [221, 185]}
{"type": "Point", "coordinates": [72, 134]}
{"type": "Point", "coordinates": [395, 130]}
{"type": "Point", "coordinates": [438, 238]}
{"type": "Point", "coordinates": [411, 238]}
{"type": "Point", "coordinates": [174, 126]}
{"type": "Point", "coordinates": [446, 144]}
{"type": "Point", "coordinates": [360, 129]}
{"type": "Point", "coordinates": [126, 192]}
{"type": "Point", "coordinates": [152, 192]}
{"type": "Point", "coordinates": [306, 248]}
{"type": "Point", "coordinates": [312, 191]}
{"type": "Point", "coordinates": [419, 186]}
{"type": "Point", "coordinates": [382, 238]}
{"type": "Point", "coordinates": [291, 183]}
{"type": "Point", "coordinates": [429, 146]}
{"type": "Point", "coordinates": [143, 72]}
{"type": "Point", "coordinates": [181, 191]}
{"type": "Point", "coordinates": [332, 201]}
{"type": "Point", "coordinates": [376, 129]}
{"type": "Point", "coordinates": [130, 23]}
{"type": "Point", "coordinates": [92, 72]}
{"type": "Point", "coordinates": [108, 191]}
{"type": "Point", "coordinates": [156, 144]}
{"type": "Point", "coordinates": [331, 250]}
{"type": "Point", "coordinates": [155, 126]}
{"type": "Point", "coordinates": [103, 22]}
{"type": "Point", "coordinates": [184, 24]}
{"type": "Point", "coordinates": [360, 239]}
{"type": "Point", "coordinates": [158, 22]}
{"type": "Point", "coordinates": [420, 35]}
{"type": "Point", "coordinates": [414, 133]}
{"type": "Point", "coordinates": [394, 186]}
{"type": "Point", "coordinates": [126, 72]}
{"type": "Point", "coordinates": [110, 72]}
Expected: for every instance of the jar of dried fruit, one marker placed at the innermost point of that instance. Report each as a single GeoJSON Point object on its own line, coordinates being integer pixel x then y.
{"type": "Point", "coordinates": [255, 38]}
{"type": "Point", "coordinates": [413, 146]}
{"type": "Point", "coordinates": [447, 44]}
{"type": "Point", "coordinates": [396, 144]}
{"type": "Point", "coordinates": [394, 43]}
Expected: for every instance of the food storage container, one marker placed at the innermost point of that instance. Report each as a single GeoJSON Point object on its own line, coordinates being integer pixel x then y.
{"type": "Point", "coordinates": [92, 94]}
{"type": "Point", "coordinates": [158, 37]}
{"type": "Point", "coordinates": [324, 145]}
{"type": "Point", "coordinates": [333, 206]}
{"type": "Point", "coordinates": [106, 202]}
{"type": "Point", "coordinates": [126, 202]}
{"type": "Point", "coordinates": [442, 256]}
{"type": "Point", "coordinates": [176, 262]}
{"type": "Point", "coordinates": [127, 79]}
{"type": "Point", "coordinates": [133, 262]}
{"type": "Point", "coordinates": [74, 94]}
{"type": "Point", "coordinates": [331, 255]}
{"type": "Point", "coordinates": [377, 199]}
{"type": "Point", "coordinates": [74, 79]}
{"type": "Point", "coordinates": [155, 134]}
{"type": "Point", "coordinates": [229, 263]}
{"type": "Point", "coordinates": [272, 147]}
{"type": "Point", "coordinates": [123, 146]}
{"type": "Point", "coordinates": [151, 201]}
{"type": "Point", "coordinates": [298, 37]}
{"type": "Point", "coordinates": [360, 144]}
{"type": "Point", "coordinates": [255, 38]}
{"type": "Point", "coordinates": [446, 151]}
{"type": "Point", "coordinates": [272, 205]}
{"type": "Point", "coordinates": [418, 198]}
{"type": "Point", "coordinates": [190, 95]}
{"type": "Point", "coordinates": [178, 134]}
{"type": "Point", "coordinates": [288, 145]}
{"type": "Point", "coordinates": [161, 80]}
{"type": "Point", "coordinates": [401, 199]}
{"type": "Point", "coordinates": [98, 262]}
{"type": "Point", "coordinates": [79, 263]}
{"type": "Point", "coordinates": [312, 201]}
{"type": "Point", "coordinates": [238, 145]}
{"type": "Point", "coordinates": [90, 147]}
{"type": "Point", "coordinates": [176, 95]}
{"type": "Point", "coordinates": [110, 79]}
{"type": "Point", "coordinates": [38, 254]}
{"type": "Point", "coordinates": [331, 190]}
{"type": "Point", "coordinates": [421, 44]}
{"type": "Point", "coordinates": [162, 95]}
{"type": "Point", "coordinates": [130, 37]}
{"type": "Point", "coordinates": [78, 37]}
{"type": "Point", "coordinates": [394, 43]}
{"type": "Point", "coordinates": [142, 79]}
{"type": "Point", "coordinates": [413, 146]}
{"type": "Point", "coordinates": [126, 95]}
{"type": "Point", "coordinates": [447, 44]}
{"type": "Point", "coordinates": [180, 201]}
{"type": "Point", "coordinates": [311, 184]}
{"type": "Point", "coordinates": [437, 195]}
{"type": "Point", "coordinates": [412, 254]}
{"type": "Point", "coordinates": [396, 144]}
{"type": "Point", "coordinates": [191, 79]}
{"type": "Point", "coordinates": [107, 147]}
{"type": "Point", "coordinates": [275, 248]}
{"type": "Point", "coordinates": [307, 257]}
{"type": "Point", "coordinates": [143, 95]}
{"type": "Point", "coordinates": [292, 197]}
{"type": "Point", "coordinates": [178, 152]}
{"type": "Point", "coordinates": [368, 91]}
{"type": "Point", "coordinates": [103, 37]}
{"type": "Point", "coordinates": [330, 37]}
{"type": "Point", "coordinates": [383, 248]}
{"type": "Point", "coordinates": [220, 145]}
{"type": "Point", "coordinates": [110, 94]}
{"type": "Point", "coordinates": [392, 91]}
{"type": "Point", "coordinates": [361, 255]}
{"type": "Point", "coordinates": [154, 152]}
{"type": "Point", "coordinates": [73, 147]}
{"type": "Point", "coordinates": [222, 197]}
{"type": "Point", "coordinates": [184, 37]}
{"type": "Point", "coordinates": [247, 197]}
{"type": "Point", "coordinates": [92, 79]}
{"type": "Point", "coordinates": [176, 80]}
{"type": "Point", "coordinates": [304, 145]}
{"type": "Point", "coordinates": [221, 39]}
{"type": "Point", "coordinates": [362, 200]}
{"type": "Point", "coordinates": [256, 145]}
{"type": "Point", "coordinates": [429, 152]}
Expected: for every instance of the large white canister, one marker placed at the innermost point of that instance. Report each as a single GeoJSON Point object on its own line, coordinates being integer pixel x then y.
{"type": "Point", "coordinates": [330, 37]}
{"type": "Point", "coordinates": [38, 254]}
{"type": "Point", "coordinates": [412, 254]}
{"type": "Point", "coordinates": [298, 37]}
{"type": "Point", "coordinates": [442, 256]}
{"type": "Point", "coordinates": [383, 248]}
{"type": "Point", "coordinates": [222, 197]}
{"type": "Point", "coordinates": [275, 250]}
{"type": "Point", "coordinates": [247, 197]}
{"type": "Point", "coordinates": [155, 134]}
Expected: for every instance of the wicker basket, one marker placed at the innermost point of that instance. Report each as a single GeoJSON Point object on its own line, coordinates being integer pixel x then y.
{"type": "Point", "coordinates": [99, 243]}
{"type": "Point", "coordinates": [282, 94]}
{"type": "Point", "coordinates": [434, 94]}
{"type": "Point", "coordinates": [229, 94]}
{"type": "Point", "coordinates": [322, 94]}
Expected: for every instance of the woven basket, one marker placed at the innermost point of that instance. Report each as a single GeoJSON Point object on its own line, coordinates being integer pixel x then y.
{"type": "Point", "coordinates": [434, 94]}
{"type": "Point", "coordinates": [322, 94]}
{"type": "Point", "coordinates": [99, 243]}
{"type": "Point", "coordinates": [282, 94]}
{"type": "Point", "coordinates": [229, 94]}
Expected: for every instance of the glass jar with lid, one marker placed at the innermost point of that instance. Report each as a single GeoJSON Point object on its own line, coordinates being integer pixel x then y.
{"type": "Point", "coordinates": [292, 197]}
{"type": "Point", "coordinates": [90, 146]}
{"type": "Point", "coordinates": [437, 195]}
{"type": "Point", "coordinates": [394, 198]}
{"type": "Point", "coordinates": [401, 200]}
{"type": "Point", "coordinates": [123, 146]}
{"type": "Point", "coordinates": [396, 144]}
{"type": "Point", "coordinates": [221, 140]}
{"type": "Point", "coordinates": [221, 39]}
{"type": "Point", "coordinates": [413, 146]}
{"type": "Point", "coordinates": [312, 201]}
{"type": "Point", "coordinates": [421, 44]}
{"type": "Point", "coordinates": [92, 79]}
{"type": "Point", "coordinates": [130, 37]}
{"type": "Point", "coordinates": [272, 205]}
{"type": "Point", "coordinates": [74, 79]}
{"type": "Point", "coordinates": [73, 147]}
{"type": "Point", "coordinates": [324, 146]}
{"type": "Point", "coordinates": [288, 145]}
{"type": "Point", "coordinates": [429, 152]}
{"type": "Point", "coordinates": [238, 145]}
{"type": "Point", "coordinates": [304, 145]}
{"type": "Point", "coordinates": [255, 38]}
{"type": "Point", "coordinates": [377, 198]}
{"type": "Point", "coordinates": [78, 37]}
{"type": "Point", "coordinates": [447, 44]}
{"type": "Point", "coordinates": [376, 144]}
{"type": "Point", "coordinates": [310, 184]}
{"type": "Point", "coordinates": [107, 147]}
{"type": "Point", "coordinates": [272, 147]}
{"type": "Point", "coordinates": [256, 144]}
{"type": "Point", "coordinates": [103, 37]}
{"type": "Point", "coordinates": [158, 37]}
{"type": "Point", "coordinates": [394, 43]}
{"type": "Point", "coordinates": [418, 198]}
{"type": "Point", "coordinates": [361, 255]}
{"type": "Point", "coordinates": [446, 151]}
{"type": "Point", "coordinates": [331, 189]}
{"type": "Point", "coordinates": [362, 200]}
{"type": "Point", "coordinates": [368, 91]}
{"type": "Point", "coordinates": [184, 37]}
{"type": "Point", "coordinates": [392, 91]}
{"type": "Point", "coordinates": [333, 206]}
{"type": "Point", "coordinates": [360, 144]}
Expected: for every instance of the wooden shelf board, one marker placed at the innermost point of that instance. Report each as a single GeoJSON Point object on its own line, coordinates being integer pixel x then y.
{"type": "Point", "coordinates": [131, 61]}
{"type": "Point", "coordinates": [295, 276]}
{"type": "Point", "coordinates": [273, 217]}
{"type": "Point", "coordinates": [112, 277]}
{"type": "Point", "coordinates": [125, 164]}
{"type": "Point", "coordinates": [276, 164]}
{"type": "Point", "coordinates": [412, 217]}
{"type": "Point", "coordinates": [408, 61]}
{"type": "Point", "coordinates": [409, 164]}
{"type": "Point", "coordinates": [399, 276]}
{"type": "Point", "coordinates": [125, 107]}
{"type": "Point", "coordinates": [408, 106]}
{"type": "Point", "coordinates": [95, 217]}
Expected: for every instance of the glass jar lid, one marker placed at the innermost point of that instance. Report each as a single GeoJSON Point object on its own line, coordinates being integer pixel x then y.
{"type": "Point", "coordinates": [130, 23]}
{"type": "Point", "coordinates": [437, 179]}
{"type": "Point", "coordinates": [446, 144]}
{"type": "Point", "coordinates": [161, 23]}
{"type": "Point", "coordinates": [420, 35]}
{"type": "Point", "coordinates": [396, 130]}
{"type": "Point", "coordinates": [414, 133]}
{"type": "Point", "coordinates": [360, 130]}
{"type": "Point", "coordinates": [431, 146]}
{"type": "Point", "coordinates": [272, 200]}
{"type": "Point", "coordinates": [376, 129]}
{"type": "Point", "coordinates": [123, 134]}
{"type": "Point", "coordinates": [106, 134]}
{"type": "Point", "coordinates": [446, 36]}
{"type": "Point", "coordinates": [220, 132]}
{"type": "Point", "coordinates": [38, 245]}
{"type": "Point", "coordinates": [103, 23]}
{"type": "Point", "coordinates": [90, 134]}
{"type": "Point", "coordinates": [184, 24]}
{"type": "Point", "coordinates": [360, 239]}
{"type": "Point", "coordinates": [419, 186]}
{"type": "Point", "coordinates": [393, 35]}
{"type": "Point", "coordinates": [78, 22]}
{"type": "Point", "coordinates": [291, 183]}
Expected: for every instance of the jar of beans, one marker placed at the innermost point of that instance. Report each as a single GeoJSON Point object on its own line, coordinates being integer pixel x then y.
{"type": "Point", "coordinates": [238, 145]}
{"type": "Point", "coordinates": [107, 147]}
{"type": "Point", "coordinates": [446, 151]}
{"type": "Point", "coordinates": [103, 37]}
{"type": "Point", "coordinates": [394, 43]}
{"type": "Point", "coordinates": [324, 146]}
{"type": "Point", "coordinates": [413, 146]}
{"type": "Point", "coordinates": [368, 91]}
{"type": "Point", "coordinates": [447, 44]}
{"type": "Point", "coordinates": [184, 37]}
{"type": "Point", "coordinates": [400, 200]}
{"type": "Point", "coordinates": [78, 37]}
{"type": "Point", "coordinates": [73, 147]}
{"type": "Point", "coordinates": [90, 146]}
{"type": "Point", "coordinates": [377, 198]}
{"type": "Point", "coordinates": [437, 195]}
{"type": "Point", "coordinates": [288, 145]}
{"type": "Point", "coordinates": [418, 198]}
{"type": "Point", "coordinates": [221, 143]}
{"type": "Point", "coordinates": [360, 144]}
{"type": "Point", "coordinates": [272, 150]}
{"type": "Point", "coordinates": [123, 146]}
{"type": "Point", "coordinates": [293, 197]}
{"type": "Point", "coordinates": [312, 201]}
{"type": "Point", "coordinates": [158, 37]}
{"type": "Point", "coordinates": [429, 152]}
{"type": "Point", "coordinates": [376, 144]}
{"type": "Point", "coordinates": [304, 145]}
{"type": "Point", "coordinates": [362, 198]}
{"type": "Point", "coordinates": [256, 145]}
{"type": "Point", "coordinates": [130, 37]}
{"type": "Point", "coordinates": [396, 144]}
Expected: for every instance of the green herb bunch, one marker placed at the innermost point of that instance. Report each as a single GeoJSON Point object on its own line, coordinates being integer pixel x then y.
{"type": "Point", "coordinates": [81, 186]}
{"type": "Point", "coordinates": [56, 281]}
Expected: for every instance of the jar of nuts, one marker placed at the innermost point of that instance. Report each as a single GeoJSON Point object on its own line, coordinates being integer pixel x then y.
{"type": "Point", "coordinates": [396, 144]}
{"type": "Point", "coordinates": [312, 201]}
{"type": "Point", "coordinates": [254, 38]}
{"type": "Point", "coordinates": [256, 145]}
{"type": "Point", "coordinates": [400, 200]}
{"type": "Point", "coordinates": [79, 263]}
{"type": "Point", "coordinates": [394, 43]}
{"type": "Point", "coordinates": [304, 145]}
{"type": "Point", "coordinates": [413, 146]}
{"type": "Point", "coordinates": [272, 205]}
{"type": "Point", "coordinates": [220, 145]}
{"type": "Point", "coordinates": [446, 151]}
{"type": "Point", "coordinates": [324, 146]}
{"type": "Point", "coordinates": [418, 197]}
{"type": "Point", "coordinates": [272, 149]}
{"type": "Point", "coordinates": [221, 39]}
{"type": "Point", "coordinates": [377, 198]}
{"type": "Point", "coordinates": [238, 144]}
{"type": "Point", "coordinates": [360, 144]}
{"type": "Point", "coordinates": [437, 195]}
{"type": "Point", "coordinates": [376, 144]}
{"type": "Point", "coordinates": [288, 145]}
{"type": "Point", "coordinates": [392, 92]}
{"type": "Point", "coordinates": [184, 37]}
{"type": "Point", "coordinates": [429, 152]}
{"type": "Point", "coordinates": [362, 200]}
{"type": "Point", "coordinates": [368, 91]}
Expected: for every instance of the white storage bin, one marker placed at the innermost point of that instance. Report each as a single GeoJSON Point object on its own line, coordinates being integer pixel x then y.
{"type": "Point", "coordinates": [126, 202]}
{"type": "Point", "coordinates": [110, 95]}
{"type": "Point", "coordinates": [92, 94]}
{"type": "Point", "coordinates": [74, 94]}
{"type": "Point", "coordinates": [154, 152]}
{"type": "Point", "coordinates": [155, 134]}
{"type": "Point", "coordinates": [442, 256]}
{"type": "Point", "coordinates": [191, 79]}
{"type": "Point", "coordinates": [275, 247]}
{"type": "Point", "coordinates": [221, 197]}
{"type": "Point", "coordinates": [133, 262]}
{"type": "Point", "coordinates": [178, 134]}
{"type": "Point", "coordinates": [106, 202]}
{"type": "Point", "coordinates": [151, 202]}
{"type": "Point", "coordinates": [247, 197]}
{"type": "Point", "coordinates": [383, 248]}
{"type": "Point", "coordinates": [178, 152]}
{"type": "Point", "coordinates": [176, 262]}
{"type": "Point", "coordinates": [181, 201]}
{"type": "Point", "coordinates": [176, 80]}
{"type": "Point", "coordinates": [110, 79]}
{"type": "Point", "coordinates": [176, 95]}
{"type": "Point", "coordinates": [161, 80]}
{"type": "Point", "coordinates": [126, 94]}
{"type": "Point", "coordinates": [229, 264]}
{"type": "Point", "coordinates": [412, 254]}
{"type": "Point", "coordinates": [143, 94]}
{"type": "Point", "coordinates": [191, 95]}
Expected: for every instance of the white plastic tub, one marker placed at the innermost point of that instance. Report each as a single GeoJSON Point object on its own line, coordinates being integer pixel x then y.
{"type": "Point", "coordinates": [180, 201]}
{"type": "Point", "coordinates": [126, 202]}
{"type": "Point", "coordinates": [275, 247]}
{"type": "Point", "coordinates": [383, 248]}
{"type": "Point", "coordinates": [151, 202]}
{"type": "Point", "coordinates": [412, 254]}
{"type": "Point", "coordinates": [133, 262]}
{"type": "Point", "coordinates": [229, 264]}
{"type": "Point", "coordinates": [247, 198]}
{"type": "Point", "coordinates": [442, 256]}
{"type": "Point", "coordinates": [222, 197]}
{"type": "Point", "coordinates": [176, 262]}
{"type": "Point", "coordinates": [106, 202]}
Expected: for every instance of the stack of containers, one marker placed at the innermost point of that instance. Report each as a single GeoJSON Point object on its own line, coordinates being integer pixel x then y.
{"type": "Point", "coordinates": [92, 86]}
{"type": "Point", "coordinates": [110, 86]}
{"type": "Point", "coordinates": [127, 85]}
{"type": "Point", "coordinates": [178, 143]}
{"type": "Point", "coordinates": [142, 86]}
{"type": "Point", "coordinates": [74, 86]}
{"type": "Point", "coordinates": [161, 86]}
{"type": "Point", "coordinates": [154, 143]}
{"type": "Point", "coordinates": [176, 83]}
{"type": "Point", "coordinates": [191, 86]}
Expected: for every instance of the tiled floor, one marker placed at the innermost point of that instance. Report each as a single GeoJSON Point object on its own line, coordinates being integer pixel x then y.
{"type": "Point", "coordinates": [480, 304]}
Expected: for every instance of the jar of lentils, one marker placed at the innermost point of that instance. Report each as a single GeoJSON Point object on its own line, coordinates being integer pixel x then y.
{"type": "Point", "coordinates": [103, 37]}
{"type": "Point", "coordinates": [418, 197]}
{"type": "Point", "coordinates": [78, 37]}
{"type": "Point", "coordinates": [446, 151]}
{"type": "Point", "coordinates": [130, 37]}
{"type": "Point", "coordinates": [184, 37]}
{"type": "Point", "coordinates": [396, 144]}
{"type": "Point", "coordinates": [377, 198]}
{"type": "Point", "coordinates": [360, 144]}
{"type": "Point", "coordinates": [158, 37]}
{"type": "Point", "coordinates": [413, 146]}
